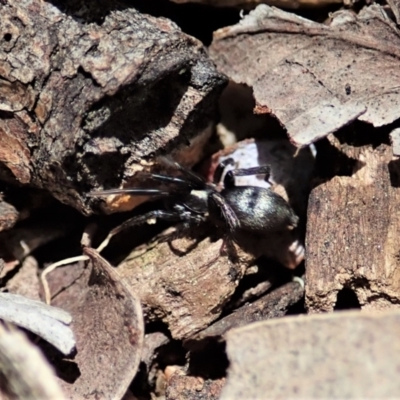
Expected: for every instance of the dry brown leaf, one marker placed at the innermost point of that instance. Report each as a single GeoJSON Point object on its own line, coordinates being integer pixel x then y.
{"type": "Point", "coordinates": [108, 325]}
{"type": "Point", "coordinates": [315, 78]}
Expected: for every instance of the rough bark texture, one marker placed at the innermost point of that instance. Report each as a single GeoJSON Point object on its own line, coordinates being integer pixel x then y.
{"type": "Point", "coordinates": [87, 97]}
{"type": "Point", "coordinates": [181, 387]}
{"type": "Point", "coordinates": [272, 305]}
{"type": "Point", "coordinates": [8, 215]}
{"type": "Point", "coordinates": [248, 4]}
{"type": "Point", "coordinates": [186, 291]}
{"type": "Point", "coordinates": [352, 233]}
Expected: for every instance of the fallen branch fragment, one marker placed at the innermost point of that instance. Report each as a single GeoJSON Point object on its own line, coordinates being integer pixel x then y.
{"type": "Point", "coordinates": [272, 305]}
{"type": "Point", "coordinates": [79, 95]}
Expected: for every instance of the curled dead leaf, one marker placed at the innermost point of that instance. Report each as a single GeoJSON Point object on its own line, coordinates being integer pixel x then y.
{"type": "Point", "coordinates": [108, 325]}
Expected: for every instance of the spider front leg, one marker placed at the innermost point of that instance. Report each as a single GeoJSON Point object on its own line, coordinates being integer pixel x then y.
{"type": "Point", "coordinates": [229, 180]}
{"type": "Point", "coordinates": [172, 216]}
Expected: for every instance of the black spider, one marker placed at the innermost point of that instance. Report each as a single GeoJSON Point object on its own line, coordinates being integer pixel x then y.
{"type": "Point", "coordinates": [191, 200]}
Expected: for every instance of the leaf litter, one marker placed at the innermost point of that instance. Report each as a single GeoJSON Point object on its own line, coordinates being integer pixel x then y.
{"type": "Point", "coordinates": [315, 78]}
{"type": "Point", "coordinates": [108, 324]}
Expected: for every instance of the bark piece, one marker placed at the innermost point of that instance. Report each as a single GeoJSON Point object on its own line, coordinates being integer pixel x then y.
{"type": "Point", "coordinates": [19, 242]}
{"type": "Point", "coordinates": [26, 281]}
{"type": "Point", "coordinates": [8, 215]}
{"type": "Point", "coordinates": [181, 387]}
{"type": "Point", "coordinates": [186, 289]}
{"type": "Point", "coordinates": [352, 230]}
{"type": "Point", "coordinates": [395, 139]}
{"type": "Point", "coordinates": [272, 305]}
{"type": "Point", "coordinates": [315, 78]}
{"type": "Point", "coordinates": [350, 355]}
{"type": "Point", "coordinates": [87, 102]}
{"type": "Point", "coordinates": [24, 372]}
{"type": "Point", "coordinates": [248, 4]}
{"type": "Point", "coordinates": [108, 324]}
{"type": "Point", "coordinates": [395, 7]}
{"type": "Point", "coordinates": [151, 342]}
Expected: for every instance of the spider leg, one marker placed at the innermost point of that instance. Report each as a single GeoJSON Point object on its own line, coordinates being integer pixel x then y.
{"type": "Point", "coordinates": [164, 178]}
{"type": "Point", "coordinates": [196, 181]}
{"type": "Point", "coordinates": [229, 180]}
{"type": "Point", "coordinates": [226, 210]}
{"type": "Point", "coordinates": [221, 168]}
{"type": "Point", "coordinates": [161, 214]}
{"type": "Point", "coordinates": [131, 191]}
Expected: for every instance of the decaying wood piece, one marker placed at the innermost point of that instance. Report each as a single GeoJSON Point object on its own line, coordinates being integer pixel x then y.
{"type": "Point", "coordinates": [26, 281]}
{"type": "Point", "coordinates": [315, 78]}
{"type": "Point", "coordinates": [182, 387]}
{"type": "Point", "coordinates": [84, 101]}
{"type": "Point", "coordinates": [185, 289]}
{"type": "Point", "coordinates": [272, 305]}
{"type": "Point", "coordinates": [352, 233]}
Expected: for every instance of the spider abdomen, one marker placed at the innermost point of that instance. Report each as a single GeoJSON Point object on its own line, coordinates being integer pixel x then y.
{"type": "Point", "coordinates": [260, 210]}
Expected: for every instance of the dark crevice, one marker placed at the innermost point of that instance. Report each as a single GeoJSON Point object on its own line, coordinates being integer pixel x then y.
{"type": "Point", "coordinates": [394, 172]}
{"type": "Point", "coordinates": [331, 162]}
{"type": "Point", "coordinates": [347, 300]}
{"type": "Point", "coordinates": [211, 362]}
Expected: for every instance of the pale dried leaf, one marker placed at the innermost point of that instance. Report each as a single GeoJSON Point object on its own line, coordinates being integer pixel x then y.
{"type": "Point", "coordinates": [348, 355]}
{"type": "Point", "coordinates": [315, 78]}
{"type": "Point", "coordinates": [24, 372]}
{"type": "Point", "coordinates": [46, 321]}
{"type": "Point", "coordinates": [395, 139]}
